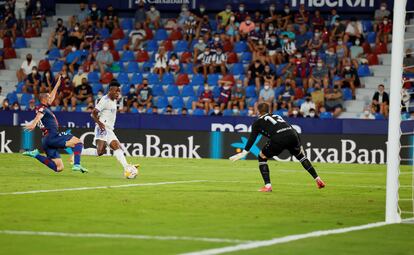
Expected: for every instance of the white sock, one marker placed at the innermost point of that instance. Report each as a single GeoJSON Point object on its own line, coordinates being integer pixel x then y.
{"type": "Point", "coordinates": [119, 154]}
{"type": "Point", "coordinates": [269, 185]}
{"type": "Point", "coordinates": [89, 152]}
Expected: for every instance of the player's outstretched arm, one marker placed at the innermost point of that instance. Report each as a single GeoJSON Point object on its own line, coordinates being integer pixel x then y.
{"type": "Point", "coordinates": [32, 125]}
{"type": "Point", "coordinates": [54, 91]}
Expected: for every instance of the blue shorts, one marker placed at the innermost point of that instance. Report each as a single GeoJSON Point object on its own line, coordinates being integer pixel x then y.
{"type": "Point", "coordinates": [51, 143]}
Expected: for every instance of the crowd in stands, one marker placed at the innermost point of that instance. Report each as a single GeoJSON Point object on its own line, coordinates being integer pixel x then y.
{"type": "Point", "coordinates": [300, 62]}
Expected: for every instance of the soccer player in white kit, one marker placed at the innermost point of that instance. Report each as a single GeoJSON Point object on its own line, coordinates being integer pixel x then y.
{"type": "Point", "coordinates": [104, 116]}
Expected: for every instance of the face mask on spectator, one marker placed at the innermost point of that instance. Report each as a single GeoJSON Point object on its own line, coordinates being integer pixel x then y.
{"type": "Point", "coordinates": [250, 112]}
{"type": "Point", "coordinates": [385, 22]}
{"type": "Point", "coordinates": [347, 68]}
{"type": "Point", "coordinates": [216, 39]}
{"type": "Point", "coordinates": [38, 5]}
{"type": "Point", "coordinates": [216, 111]}
{"type": "Point", "coordinates": [248, 22]}
{"type": "Point", "coordinates": [131, 91]}
{"type": "Point", "coordinates": [311, 114]}
{"type": "Point", "coordinates": [152, 9]}
{"type": "Point", "coordinates": [272, 8]}
{"type": "Point", "coordinates": [239, 85]}
{"type": "Point", "coordinates": [100, 95]}
{"type": "Point", "coordinates": [235, 110]}
{"type": "Point", "coordinates": [266, 87]}
{"type": "Point", "coordinates": [184, 9]}
{"type": "Point", "coordinates": [200, 41]}
{"type": "Point", "coordinates": [273, 40]}
{"type": "Point", "coordinates": [295, 112]}
{"type": "Point", "coordinates": [287, 10]}
{"type": "Point", "coordinates": [34, 72]}
{"type": "Point", "coordinates": [206, 88]}
{"type": "Point", "coordinates": [93, 8]}
{"type": "Point", "coordinates": [202, 9]}
{"type": "Point", "coordinates": [336, 23]}
{"type": "Point", "coordinates": [76, 28]}
{"type": "Point", "coordinates": [383, 8]}
{"type": "Point", "coordinates": [330, 53]}
{"type": "Point", "coordinates": [47, 74]}
{"type": "Point", "coordinates": [366, 113]}
{"type": "Point", "coordinates": [317, 34]}
{"type": "Point", "coordinates": [241, 8]}
{"type": "Point", "coordinates": [313, 53]}
{"type": "Point", "coordinates": [357, 42]}
{"type": "Point", "coordinates": [228, 10]}
{"type": "Point", "coordinates": [298, 55]}
{"type": "Point", "coordinates": [73, 49]}
{"type": "Point", "coordinates": [257, 29]}
{"type": "Point", "coordinates": [232, 18]}
{"type": "Point", "coordinates": [285, 40]}
{"type": "Point", "coordinates": [339, 42]}
{"type": "Point", "coordinates": [105, 48]}
{"type": "Point", "coordinates": [226, 87]}
{"type": "Point", "coordinates": [207, 52]}
{"type": "Point", "coordinates": [320, 64]}
{"type": "Point", "coordinates": [260, 42]}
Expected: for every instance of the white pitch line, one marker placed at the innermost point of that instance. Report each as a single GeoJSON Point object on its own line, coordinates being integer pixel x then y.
{"type": "Point", "coordinates": [284, 239]}
{"type": "Point", "coordinates": [99, 187]}
{"type": "Point", "coordinates": [123, 236]}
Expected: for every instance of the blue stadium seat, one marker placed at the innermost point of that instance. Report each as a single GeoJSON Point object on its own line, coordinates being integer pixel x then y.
{"type": "Point", "coordinates": [104, 33]}
{"type": "Point", "coordinates": [136, 78]}
{"type": "Point", "coordinates": [228, 112]}
{"type": "Point", "coordinates": [199, 112]}
{"type": "Point", "coordinates": [161, 35]}
{"type": "Point", "coordinates": [26, 99]}
{"type": "Point", "coordinates": [20, 43]}
{"type": "Point", "coordinates": [57, 66]}
{"type": "Point", "coordinates": [19, 87]}
{"type": "Point", "coordinates": [128, 56]}
{"type": "Point", "coordinates": [212, 79]}
{"type": "Point", "coordinates": [133, 110]}
{"type": "Point", "coordinates": [367, 26]}
{"type": "Point", "coordinates": [125, 88]}
{"type": "Point", "coordinates": [162, 102]}
{"type": "Point", "coordinates": [299, 102]}
{"type": "Point", "coordinates": [127, 24]}
{"type": "Point", "coordinates": [181, 46]}
{"type": "Point", "coordinates": [177, 102]}
{"type": "Point", "coordinates": [237, 69]}
{"type": "Point", "coordinates": [188, 91]}
{"type": "Point", "coordinates": [246, 57]}
{"type": "Point", "coordinates": [189, 68]}
{"type": "Point", "coordinates": [123, 78]}
{"type": "Point", "coordinates": [216, 91]}
{"type": "Point", "coordinates": [347, 93]}
{"type": "Point", "coordinates": [213, 24]}
{"type": "Point", "coordinates": [153, 79]}
{"type": "Point", "coordinates": [168, 78]}
{"type": "Point", "coordinates": [152, 45]}
{"type": "Point", "coordinates": [363, 71]}
{"type": "Point", "coordinates": [120, 44]}
{"type": "Point", "coordinates": [240, 47]}
{"type": "Point", "coordinates": [279, 90]}
{"type": "Point", "coordinates": [53, 54]}
{"type": "Point", "coordinates": [379, 116]}
{"type": "Point", "coordinates": [252, 101]}
{"type": "Point", "coordinates": [172, 90]}
{"type": "Point", "coordinates": [157, 90]}
{"type": "Point", "coordinates": [326, 115]}
{"type": "Point", "coordinates": [12, 97]}
{"type": "Point", "coordinates": [190, 101]}
{"type": "Point", "coordinates": [279, 69]}
{"type": "Point", "coordinates": [132, 67]}
{"type": "Point", "coordinates": [244, 112]}
{"type": "Point", "coordinates": [197, 80]}
{"type": "Point", "coordinates": [371, 37]}
{"type": "Point", "coordinates": [281, 112]}
{"type": "Point", "coordinates": [251, 91]}
{"type": "Point", "coordinates": [96, 87]}
{"type": "Point", "coordinates": [93, 77]}
{"type": "Point", "coordinates": [310, 90]}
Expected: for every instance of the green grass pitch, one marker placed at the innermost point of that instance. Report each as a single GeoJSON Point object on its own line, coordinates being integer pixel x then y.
{"type": "Point", "coordinates": [226, 205]}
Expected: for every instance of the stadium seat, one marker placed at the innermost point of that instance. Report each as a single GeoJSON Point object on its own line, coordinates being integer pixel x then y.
{"type": "Point", "coordinates": [371, 37]}
{"type": "Point", "coordinates": [251, 91]}
{"type": "Point", "coordinates": [93, 77]}
{"type": "Point", "coordinates": [168, 45]}
{"type": "Point", "coordinates": [120, 44]}
{"type": "Point", "coordinates": [299, 102]}
{"type": "Point", "coordinates": [54, 54]}
{"type": "Point", "coordinates": [198, 112]}
{"type": "Point", "coordinates": [161, 35]}
{"type": "Point", "coordinates": [367, 26]}
{"type": "Point", "coordinates": [186, 57]}
{"type": "Point", "coordinates": [43, 65]}
{"type": "Point", "coordinates": [189, 102]}
{"type": "Point", "coordinates": [161, 102]}
{"type": "Point", "coordinates": [177, 102]}
{"type": "Point", "coordinates": [379, 116]}
{"type": "Point", "coordinates": [189, 68]}
{"type": "Point", "coordinates": [175, 35]}
{"type": "Point", "coordinates": [237, 69]}
{"type": "Point", "coordinates": [299, 93]}
{"type": "Point", "coordinates": [153, 79]}
{"type": "Point", "coordinates": [19, 87]}
{"type": "Point", "coordinates": [117, 67]}
{"type": "Point", "coordinates": [172, 91]}
{"type": "Point", "coordinates": [227, 46]}
{"type": "Point", "coordinates": [168, 78]}
{"type": "Point", "coordinates": [57, 66]}
{"type": "Point", "coordinates": [279, 90]}
{"type": "Point", "coordinates": [240, 47]}
{"type": "Point", "coordinates": [212, 79]}
{"type": "Point", "coordinates": [125, 88]}
{"type": "Point", "coordinates": [12, 97]}
{"type": "Point", "coordinates": [197, 80]}
{"type": "Point", "coordinates": [136, 78]}
{"type": "Point", "coordinates": [147, 67]}
{"type": "Point", "coordinates": [127, 24]}
{"type": "Point", "coordinates": [372, 59]}
{"type": "Point", "coordinates": [26, 99]}
{"type": "Point", "coordinates": [149, 33]}
{"type": "Point", "coordinates": [188, 91]}
{"type": "Point", "coordinates": [152, 45]}
{"type": "Point", "coordinates": [246, 57]}
{"type": "Point", "coordinates": [132, 67]}
{"type": "Point", "coordinates": [347, 94]}
{"type": "Point", "coordinates": [181, 46]}
{"type": "Point", "coordinates": [117, 34]}
{"type": "Point", "coordinates": [30, 32]}
{"type": "Point", "coordinates": [381, 48]}
{"type": "Point", "coordinates": [367, 47]}
{"type": "Point", "coordinates": [96, 87]}
{"type": "Point", "coordinates": [20, 42]}
{"type": "Point", "coordinates": [232, 58]}
{"type": "Point", "coordinates": [115, 55]}
{"type": "Point", "coordinates": [106, 78]}
{"type": "Point", "coordinates": [128, 56]}
{"type": "Point", "coordinates": [282, 112]}
{"type": "Point", "coordinates": [123, 78]}
{"type": "Point", "coordinates": [244, 112]}
{"type": "Point", "coordinates": [104, 33]}
{"type": "Point", "coordinates": [326, 115]}
{"type": "Point", "coordinates": [363, 71]}
{"type": "Point", "coordinates": [182, 79]}
{"type": "Point", "coordinates": [9, 53]}
{"type": "Point", "coordinates": [7, 42]}
{"type": "Point", "coordinates": [142, 56]}
{"type": "Point", "coordinates": [157, 90]}
{"type": "Point", "coordinates": [216, 91]}
{"type": "Point", "coordinates": [228, 112]}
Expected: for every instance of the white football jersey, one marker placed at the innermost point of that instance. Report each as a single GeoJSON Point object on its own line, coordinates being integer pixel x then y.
{"type": "Point", "coordinates": [107, 111]}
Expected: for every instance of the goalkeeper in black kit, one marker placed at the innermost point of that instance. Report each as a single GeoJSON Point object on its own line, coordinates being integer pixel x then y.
{"type": "Point", "coordinates": [281, 137]}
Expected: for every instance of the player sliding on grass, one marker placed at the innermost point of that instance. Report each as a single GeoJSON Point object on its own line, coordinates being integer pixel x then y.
{"type": "Point", "coordinates": [281, 136]}
{"type": "Point", "coordinates": [52, 139]}
{"type": "Point", "coordinates": [104, 116]}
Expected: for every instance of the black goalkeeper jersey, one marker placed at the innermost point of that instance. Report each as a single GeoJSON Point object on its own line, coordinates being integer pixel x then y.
{"type": "Point", "coordinates": [267, 125]}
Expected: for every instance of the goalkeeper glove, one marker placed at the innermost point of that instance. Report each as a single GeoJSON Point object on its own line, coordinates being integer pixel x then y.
{"type": "Point", "coordinates": [239, 155]}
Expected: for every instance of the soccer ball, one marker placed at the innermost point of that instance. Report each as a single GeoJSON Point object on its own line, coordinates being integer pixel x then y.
{"type": "Point", "coordinates": [130, 172]}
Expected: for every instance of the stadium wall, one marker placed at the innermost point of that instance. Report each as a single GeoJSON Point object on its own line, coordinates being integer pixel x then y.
{"type": "Point", "coordinates": [329, 148]}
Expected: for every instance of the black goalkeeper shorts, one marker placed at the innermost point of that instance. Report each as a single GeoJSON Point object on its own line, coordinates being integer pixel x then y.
{"type": "Point", "coordinates": [288, 140]}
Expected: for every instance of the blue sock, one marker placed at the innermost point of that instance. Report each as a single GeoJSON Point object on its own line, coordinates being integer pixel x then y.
{"type": "Point", "coordinates": [77, 150]}
{"type": "Point", "coordinates": [47, 161]}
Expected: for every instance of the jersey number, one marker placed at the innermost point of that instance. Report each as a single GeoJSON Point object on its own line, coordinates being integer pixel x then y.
{"type": "Point", "coordinates": [274, 119]}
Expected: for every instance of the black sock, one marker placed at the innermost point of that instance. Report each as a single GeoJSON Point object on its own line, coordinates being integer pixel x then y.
{"type": "Point", "coordinates": [308, 166]}
{"type": "Point", "coordinates": [264, 170]}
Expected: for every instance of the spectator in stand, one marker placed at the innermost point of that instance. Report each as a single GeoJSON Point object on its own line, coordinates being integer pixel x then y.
{"type": "Point", "coordinates": [313, 114]}
{"type": "Point", "coordinates": [10, 24]}
{"type": "Point", "coordinates": [408, 62]}
{"type": "Point", "coordinates": [289, 71]}
{"type": "Point", "coordinates": [338, 30]}
{"type": "Point", "coordinates": [225, 94]}
{"type": "Point", "coordinates": [20, 8]}
{"type": "Point", "coordinates": [65, 72]}
{"type": "Point", "coordinates": [313, 58]}
{"type": "Point", "coordinates": [203, 63]}
{"type": "Point", "coordinates": [161, 60]}
{"type": "Point", "coordinates": [76, 37]}
{"type": "Point", "coordinates": [91, 35]}
{"type": "Point", "coordinates": [331, 60]}
{"type": "Point", "coordinates": [184, 112]}
{"type": "Point", "coordinates": [140, 15]}
{"type": "Point", "coordinates": [145, 94]}
{"type": "Point", "coordinates": [47, 82]}
{"type": "Point", "coordinates": [26, 68]}
{"type": "Point", "coordinates": [334, 100]}
{"type": "Point", "coordinates": [318, 23]}
{"type": "Point", "coordinates": [218, 62]}
{"type": "Point", "coordinates": [110, 20]}
{"type": "Point", "coordinates": [319, 74]}
{"type": "Point", "coordinates": [5, 105]}
{"type": "Point", "coordinates": [287, 96]}
{"type": "Point", "coordinates": [215, 43]}
{"type": "Point", "coordinates": [246, 27]}
{"type": "Point", "coordinates": [216, 111]}
{"type": "Point", "coordinates": [269, 75]}
{"type": "Point", "coordinates": [33, 81]}
{"type": "Point", "coordinates": [15, 106]}
{"type": "Point", "coordinates": [153, 17]}
{"type": "Point", "coordinates": [255, 74]}
{"type": "Point", "coordinates": [81, 16]}
{"type": "Point", "coordinates": [200, 46]}
{"type": "Point", "coordinates": [303, 38]}
{"type": "Point", "coordinates": [232, 33]}
{"type": "Point", "coordinates": [39, 17]}
{"type": "Point", "coordinates": [83, 94]}
{"type": "Point", "coordinates": [341, 50]}
{"type": "Point", "coordinates": [367, 114]}
{"type": "Point", "coordinates": [380, 14]}
{"type": "Point", "coordinates": [137, 36]}
{"type": "Point", "coordinates": [287, 15]}
{"type": "Point", "coordinates": [255, 36]}
{"type": "Point", "coordinates": [183, 16]}
{"type": "Point", "coordinates": [302, 16]}
{"type": "Point", "coordinates": [235, 110]}
{"type": "Point", "coordinates": [353, 31]}
{"type": "Point", "coordinates": [350, 78]}
{"type": "Point", "coordinates": [154, 110]}
{"type": "Point", "coordinates": [223, 17]}
{"type": "Point", "coordinates": [31, 106]}
{"type": "Point", "coordinates": [190, 29]}
{"type": "Point", "coordinates": [381, 101]}
{"type": "Point", "coordinates": [205, 100]}
{"type": "Point", "coordinates": [241, 14]}
{"type": "Point", "coordinates": [173, 64]}
{"type": "Point", "coordinates": [58, 37]}
{"type": "Point", "coordinates": [333, 17]}
{"type": "Point", "coordinates": [266, 95]}
{"type": "Point", "coordinates": [2, 97]}
{"type": "Point", "coordinates": [307, 106]}
{"type": "Point", "coordinates": [357, 53]}
{"type": "Point", "coordinates": [250, 111]}
{"type": "Point", "coordinates": [66, 92]}
{"type": "Point", "coordinates": [238, 96]}
{"type": "Point", "coordinates": [104, 59]}
{"type": "Point", "coordinates": [169, 110]}
{"type": "Point", "coordinates": [288, 48]}
{"type": "Point", "coordinates": [274, 49]}
{"type": "Point", "coordinates": [384, 31]}
{"type": "Point", "coordinates": [295, 113]}
{"type": "Point", "coordinates": [204, 29]}
{"type": "Point", "coordinates": [303, 71]}
{"type": "Point", "coordinates": [73, 59]}
{"type": "Point", "coordinates": [95, 15]}
{"type": "Point", "coordinates": [78, 78]}
{"type": "Point", "coordinates": [318, 96]}
{"type": "Point", "coordinates": [316, 42]}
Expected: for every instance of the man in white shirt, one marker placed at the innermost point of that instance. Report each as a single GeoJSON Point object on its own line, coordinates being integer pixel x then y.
{"type": "Point", "coordinates": [354, 31]}
{"type": "Point", "coordinates": [26, 68]}
{"type": "Point", "coordinates": [20, 9]}
{"type": "Point", "coordinates": [306, 106]}
{"type": "Point", "coordinates": [104, 116]}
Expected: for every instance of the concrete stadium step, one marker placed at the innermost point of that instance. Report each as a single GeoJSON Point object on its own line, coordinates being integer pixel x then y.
{"type": "Point", "coordinates": [385, 59]}
{"type": "Point", "coordinates": [36, 53]}
{"type": "Point", "coordinates": [364, 94]}
{"type": "Point", "coordinates": [66, 9]}
{"type": "Point", "coordinates": [8, 75]}
{"type": "Point", "coordinates": [349, 115]}
{"type": "Point", "coordinates": [13, 64]}
{"type": "Point", "coordinates": [355, 106]}
{"type": "Point", "coordinates": [381, 70]}
{"type": "Point", "coordinates": [373, 82]}
{"type": "Point", "coordinates": [8, 86]}
{"type": "Point", "coordinates": [37, 43]}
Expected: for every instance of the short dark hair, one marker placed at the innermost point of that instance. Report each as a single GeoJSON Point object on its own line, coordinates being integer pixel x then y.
{"type": "Point", "coordinates": [114, 83]}
{"type": "Point", "coordinates": [263, 108]}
